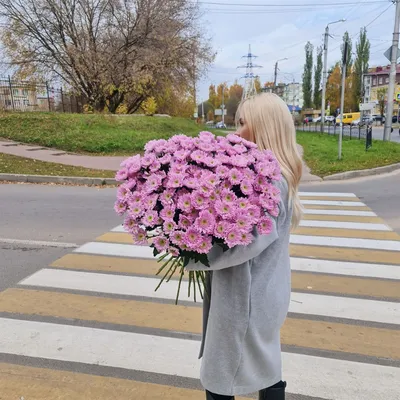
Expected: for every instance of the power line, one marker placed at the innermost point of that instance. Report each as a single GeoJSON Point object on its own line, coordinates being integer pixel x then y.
{"type": "Point", "coordinates": [290, 5]}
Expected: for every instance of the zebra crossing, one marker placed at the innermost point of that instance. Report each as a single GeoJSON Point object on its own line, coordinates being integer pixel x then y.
{"type": "Point", "coordinates": [91, 326]}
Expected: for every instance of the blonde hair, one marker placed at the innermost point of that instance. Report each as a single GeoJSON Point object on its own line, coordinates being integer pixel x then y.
{"type": "Point", "coordinates": [271, 127]}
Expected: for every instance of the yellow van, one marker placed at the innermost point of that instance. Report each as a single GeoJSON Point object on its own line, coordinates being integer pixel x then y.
{"type": "Point", "coordinates": [348, 118]}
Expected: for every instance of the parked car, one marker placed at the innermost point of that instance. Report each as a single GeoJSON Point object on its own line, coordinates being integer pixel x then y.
{"type": "Point", "coordinates": [356, 122]}
{"type": "Point", "coordinates": [378, 118]}
{"type": "Point", "coordinates": [367, 119]}
{"type": "Point", "coordinates": [308, 120]}
{"type": "Point", "coordinates": [348, 118]}
{"type": "Point", "coordinates": [330, 119]}
{"type": "Point", "coordinates": [395, 119]}
{"type": "Point", "coordinates": [220, 125]}
{"type": "Point", "coordinates": [316, 120]}
{"type": "Point", "coordinates": [210, 123]}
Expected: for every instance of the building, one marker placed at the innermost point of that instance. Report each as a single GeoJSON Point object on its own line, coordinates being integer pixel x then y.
{"type": "Point", "coordinates": [293, 95]}
{"type": "Point", "coordinates": [378, 78]}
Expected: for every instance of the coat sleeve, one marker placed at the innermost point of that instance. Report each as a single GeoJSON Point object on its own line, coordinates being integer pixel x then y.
{"type": "Point", "coordinates": [237, 255]}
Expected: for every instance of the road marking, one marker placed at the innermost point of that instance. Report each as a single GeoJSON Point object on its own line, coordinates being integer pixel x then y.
{"type": "Point", "coordinates": [30, 383]}
{"type": "Point", "coordinates": [333, 203]}
{"type": "Point", "coordinates": [304, 303]}
{"type": "Point", "coordinates": [347, 233]}
{"type": "Point", "coordinates": [326, 194]}
{"type": "Point", "coordinates": [345, 225]}
{"type": "Point", "coordinates": [346, 268]}
{"type": "Point", "coordinates": [384, 343]}
{"type": "Point", "coordinates": [339, 212]}
{"type": "Point", "coordinates": [390, 245]}
{"type": "Point", "coordinates": [173, 357]}
{"type": "Point", "coordinates": [344, 218]}
{"type": "Point", "coordinates": [38, 243]}
{"type": "Point", "coordinates": [114, 249]}
{"type": "Point", "coordinates": [345, 254]}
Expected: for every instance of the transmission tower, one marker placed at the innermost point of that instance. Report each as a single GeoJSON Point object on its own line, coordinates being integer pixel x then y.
{"type": "Point", "coordinates": [249, 86]}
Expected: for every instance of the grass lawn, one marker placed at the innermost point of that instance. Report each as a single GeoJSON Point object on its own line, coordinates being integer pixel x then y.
{"type": "Point", "coordinates": [321, 153]}
{"type": "Point", "coordinates": [95, 134]}
{"type": "Point", "coordinates": [19, 165]}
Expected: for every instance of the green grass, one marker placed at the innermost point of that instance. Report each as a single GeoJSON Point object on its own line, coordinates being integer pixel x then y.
{"type": "Point", "coordinates": [321, 153]}
{"type": "Point", "coordinates": [94, 134]}
{"type": "Point", "coordinates": [19, 165]}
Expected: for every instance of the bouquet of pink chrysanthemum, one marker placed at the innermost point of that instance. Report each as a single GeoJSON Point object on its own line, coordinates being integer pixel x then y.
{"type": "Point", "coordinates": [185, 195]}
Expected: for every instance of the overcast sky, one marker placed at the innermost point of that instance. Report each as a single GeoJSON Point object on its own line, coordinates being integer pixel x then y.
{"type": "Point", "coordinates": [282, 31]}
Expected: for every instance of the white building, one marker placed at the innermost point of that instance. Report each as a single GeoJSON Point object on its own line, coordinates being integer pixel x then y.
{"type": "Point", "coordinates": [293, 95]}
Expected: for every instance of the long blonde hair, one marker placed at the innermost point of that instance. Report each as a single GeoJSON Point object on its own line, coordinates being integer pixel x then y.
{"type": "Point", "coordinates": [271, 127]}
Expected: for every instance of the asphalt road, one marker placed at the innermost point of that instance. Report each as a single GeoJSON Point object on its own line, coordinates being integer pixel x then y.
{"type": "Point", "coordinates": [66, 216]}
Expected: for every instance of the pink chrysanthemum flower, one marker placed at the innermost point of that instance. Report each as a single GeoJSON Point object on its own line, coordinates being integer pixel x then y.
{"type": "Point", "coordinates": [153, 183]}
{"type": "Point", "coordinates": [169, 226]}
{"type": "Point", "coordinates": [224, 210]}
{"type": "Point", "coordinates": [212, 162]}
{"type": "Point", "coordinates": [239, 148]}
{"type": "Point", "coordinates": [227, 196]}
{"type": "Point", "coordinates": [204, 146]}
{"type": "Point", "coordinates": [123, 192]}
{"type": "Point", "coordinates": [149, 146]}
{"type": "Point", "coordinates": [166, 197]}
{"type": "Point", "coordinates": [161, 243]}
{"type": "Point", "coordinates": [223, 158]}
{"type": "Point", "coordinates": [132, 163]}
{"type": "Point", "coordinates": [233, 237]}
{"type": "Point", "coordinates": [182, 155]}
{"type": "Point", "coordinates": [263, 168]}
{"type": "Point", "coordinates": [175, 180]}
{"type": "Point", "coordinates": [226, 185]}
{"type": "Point", "coordinates": [213, 197]}
{"type": "Point", "coordinates": [205, 245]}
{"type": "Point", "coordinates": [135, 199]}
{"type": "Point", "coordinates": [221, 229]}
{"type": "Point", "coordinates": [149, 201]}
{"type": "Point", "coordinates": [275, 211]}
{"type": "Point", "coordinates": [136, 210]}
{"type": "Point", "coordinates": [165, 159]}
{"type": "Point", "coordinates": [198, 156]}
{"type": "Point", "coordinates": [235, 176]}
{"type": "Point", "coordinates": [199, 201]}
{"type": "Point", "coordinates": [254, 213]}
{"type": "Point", "coordinates": [185, 202]}
{"type": "Point", "coordinates": [147, 160]}
{"type": "Point", "coordinates": [205, 222]}
{"type": "Point", "coordinates": [140, 238]}
{"type": "Point", "coordinates": [242, 204]}
{"type": "Point", "coordinates": [234, 138]}
{"type": "Point", "coordinates": [222, 171]}
{"type": "Point", "coordinates": [246, 187]}
{"type": "Point", "coordinates": [260, 183]}
{"type": "Point", "coordinates": [120, 207]}
{"type": "Point", "coordinates": [150, 218]}
{"type": "Point", "coordinates": [206, 136]}
{"type": "Point", "coordinates": [130, 224]}
{"type": "Point", "coordinates": [191, 183]}
{"type": "Point", "coordinates": [187, 143]}
{"type": "Point", "coordinates": [155, 166]}
{"type": "Point", "coordinates": [265, 226]}
{"type": "Point", "coordinates": [239, 160]}
{"type": "Point", "coordinates": [245, 238]}
{"type": "Point", "coordinates": [168, 213]}
{"type": "Point", "coordinates": [176, 238]}
{"type": "Point", "coordinates": [206, 189]}
{"type": "Point", "coordinates": [173, 251]}
{"type": "Point", "coordinates": [210, 178]}
{"type": "Point", "coordinates": [178, 168]}
{"type": "Point", "coordinates": [276, 174]}
{"type": "Point", "coordinates": [243, 223]}
{"type": "Point", "coordinates": [184, 222]}
{"type": "Point", "coordinates": [122, 174]}
{"type": "Point", "coordinates": [192, 238]}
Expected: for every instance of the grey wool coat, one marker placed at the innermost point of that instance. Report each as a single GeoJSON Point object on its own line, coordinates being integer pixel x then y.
{"type": "Point", "coordinates": [249, 300]}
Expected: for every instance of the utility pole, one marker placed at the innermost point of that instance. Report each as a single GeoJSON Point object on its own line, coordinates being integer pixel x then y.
{"type": "Point", "coordinates": [325, 73]}
{"type": "Point", "coordinates": [392, 77]}
{"type": "Point", "coordinates": [342, 98]}
{"type": "Point", "coordinates": [276, 72]}
{"type": "Point", "coordinates": [223, 105]}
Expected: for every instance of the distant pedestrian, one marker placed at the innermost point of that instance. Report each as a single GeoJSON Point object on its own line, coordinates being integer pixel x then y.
{"type": "Point", "coordinates": [249, 286]}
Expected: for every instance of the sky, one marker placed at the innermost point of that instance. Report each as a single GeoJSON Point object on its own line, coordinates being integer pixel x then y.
{"type": "Point", "coordinates": [282, 30]}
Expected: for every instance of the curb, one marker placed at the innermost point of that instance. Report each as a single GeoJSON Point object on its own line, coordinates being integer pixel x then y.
{"type": "Point", "coordinates": [57, 179]}
{"type": "Point", "coordinates": [362, 172]}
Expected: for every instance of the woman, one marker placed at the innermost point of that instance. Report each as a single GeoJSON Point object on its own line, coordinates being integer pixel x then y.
{"type": "Point", "coordinates": [249, 286]}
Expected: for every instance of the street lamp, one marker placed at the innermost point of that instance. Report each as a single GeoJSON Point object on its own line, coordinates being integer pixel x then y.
{"type": "Point", "coordinates": [276, 70]}
{"type": "Point", "coordinates": [324, 76]}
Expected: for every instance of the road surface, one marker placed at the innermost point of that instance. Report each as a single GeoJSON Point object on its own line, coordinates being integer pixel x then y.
{"type": "Point", "coordinates": [80, 319]}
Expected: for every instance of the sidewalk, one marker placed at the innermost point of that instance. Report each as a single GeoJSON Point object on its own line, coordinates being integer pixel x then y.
{"type": "Point", "coordinates": [92, 162]}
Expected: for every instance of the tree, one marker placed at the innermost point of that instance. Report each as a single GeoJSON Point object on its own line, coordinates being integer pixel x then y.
{"type": "Point", "coordinates": [212, 96]}
{"type": "Point", "coordinates": [360, 66]}
{"type": "Point", "coordinates": [349, 56]}
{"type": "Point", "coordinates": [307, 76]}
{"type": "Point", "coordinates": [382, 99]}
{"type": "Point", "coordinates": [333, 86]}
{"type": "Point", "coordinates": [110, 51]}
{"type": "Point", "coordinates": [149, 106]}
{"type": "Point", "coordinates": [257, 84]}
{"type": "Point", "coordinates": [222, 88]}
{"type": "Point", "coordinates": [235, 97]}
{"type": "Point", "coordinates": [317, 79]}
